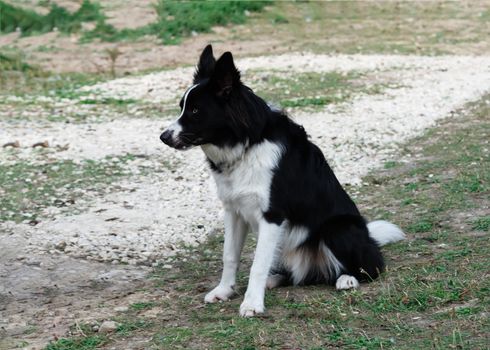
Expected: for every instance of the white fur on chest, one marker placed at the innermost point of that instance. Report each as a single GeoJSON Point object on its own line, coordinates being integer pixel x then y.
{"type": "Point", "coordinates": [244, 187]}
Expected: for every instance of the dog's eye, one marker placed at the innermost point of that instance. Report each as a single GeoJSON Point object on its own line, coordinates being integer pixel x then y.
{"type": "Point", "coordinates": [194, 111]}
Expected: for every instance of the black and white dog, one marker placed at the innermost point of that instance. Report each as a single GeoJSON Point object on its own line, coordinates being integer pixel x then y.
{"type": "Point", "coordinates": [274, 181]}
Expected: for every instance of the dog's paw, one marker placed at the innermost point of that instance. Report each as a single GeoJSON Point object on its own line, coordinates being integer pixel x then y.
{"type": "Point", "coordinates": [251, 308]}
{"type": "Point", "coordinates": [220, 293]}
{"type": "Point", "coordinates": [346, 282]}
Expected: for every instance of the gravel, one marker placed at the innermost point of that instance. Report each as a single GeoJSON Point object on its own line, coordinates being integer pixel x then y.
{"type": "Point", "coordinates": [177, 204]}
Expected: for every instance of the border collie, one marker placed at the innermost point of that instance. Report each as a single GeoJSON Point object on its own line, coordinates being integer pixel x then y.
{"type": "Point", "coordinates": [275, 182]}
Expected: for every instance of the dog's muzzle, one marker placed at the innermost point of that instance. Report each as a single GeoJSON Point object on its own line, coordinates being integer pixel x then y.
{"type": "Point", "coordinates": [178, 143]}
{"type": "Point", "coordinates": [167, 137]}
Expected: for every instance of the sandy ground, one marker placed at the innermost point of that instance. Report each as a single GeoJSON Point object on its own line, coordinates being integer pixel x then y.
{"type": "Point", "coordinates": [48, 274]}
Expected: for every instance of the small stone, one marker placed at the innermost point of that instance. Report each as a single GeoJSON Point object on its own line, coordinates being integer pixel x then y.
{"type": "Point", "coordinates": [60, 245]}
{"type": "Point", "coordinates": [121, 309]}
{"type": "Point", "coordinates": [107, 327]}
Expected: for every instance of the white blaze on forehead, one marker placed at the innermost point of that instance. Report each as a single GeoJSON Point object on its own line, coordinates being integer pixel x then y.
{"type": "Point", "coordinates": [185, 98]}
{"type": "Point", "coordinates": [176, 127]}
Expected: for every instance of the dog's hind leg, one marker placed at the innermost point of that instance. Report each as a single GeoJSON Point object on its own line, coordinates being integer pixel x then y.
{"type": "Point", "coordinates": [276, 280]}
{"type": "Point", "coordinates": [349, 241]}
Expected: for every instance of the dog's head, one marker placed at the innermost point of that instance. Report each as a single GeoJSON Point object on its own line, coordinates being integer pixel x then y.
{"type": "Point", "coordinates": [215, 109]}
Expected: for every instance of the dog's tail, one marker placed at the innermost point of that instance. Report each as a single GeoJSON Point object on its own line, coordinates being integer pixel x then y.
{"type": "Point", "coordinates": [384, 232]}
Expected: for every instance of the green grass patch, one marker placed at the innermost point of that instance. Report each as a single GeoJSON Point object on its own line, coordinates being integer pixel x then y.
{"type": "Point", "coordinates": [177, 19]}
{"type": "Point", "coordinates": [107, 32]}
{"type": "Point", "coordinates": [421, 226]}
{"type": "Point", "coordinates": [142, 306]}
{"type": "Point", "coordinates": [108, 101]}
{"type": "Point", "coordinates": [82, 343]}
{"type": "Point", "coordinates": [15, 62]}
{"type": "Point", "coordinates": [379, 27]}
{"type": "Point", "coordinates": [482, 224]}
{"type": "Point", "coordinates": [16, 74]}
{"type": "Point", "coordinates": [127, 326]}
{"type": "Point", "coordinates": [331, 87]}
{"type": "Point", "coordinates": [18, 77]}
{"type": "Point", "coordinates": [295, 90]}
{"type": "Point", "coordinates": [26, 188]}
{"type": "Point", "coordinates": [390, 164]}
{"type": "Point", "coordinates": [172, 336]}
{"type": "Point", "coordinates": [30, 22]}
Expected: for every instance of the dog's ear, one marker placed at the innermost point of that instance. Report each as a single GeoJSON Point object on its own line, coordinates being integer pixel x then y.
{"type": "Point", "coordinates": [226, 76]}
{"type": "Point", "coordinates": [205, 66]}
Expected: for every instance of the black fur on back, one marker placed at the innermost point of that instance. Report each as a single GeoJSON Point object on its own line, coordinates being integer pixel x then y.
{"type": "Point", "coordinates": [306, 192]}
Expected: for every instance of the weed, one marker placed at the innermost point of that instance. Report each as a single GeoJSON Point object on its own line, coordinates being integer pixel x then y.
{"type": "Point", "coordinates": [304, 102]}
{"type": "Point", "coordinates": [113, 54]}
{"type": "Point", "coordinates": [142, 306]}
{"type": "Point", "coordinates": [172, 336]}
{"type": "Point", "coordinates": [390, 164]}
{"type": "Point", "coordinates": [421, 226]}
{"type": "Point", "coordinates": [83, 343]}
{"type": "Point", "coordinates": [127, 326]}
{"type": "Point", "coordinates": [278, 18]}
{"type": "Point", "coordinates": [108, 101]}
{"type": "Point", "coordinates": [482, 224]}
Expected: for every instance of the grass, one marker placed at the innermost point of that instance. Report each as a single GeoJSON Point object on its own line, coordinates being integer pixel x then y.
{"type": "Point", "coordinates": [482, 224]}
{"type": "Point", "coordinates": [14, 18]}
{"type": "Point", "coordinates": [27, 188]}
{"type": "Point", "coordinates": [92, 340]}
{"type": "Point", "coordinates": [108, 101]}
{"type": "Point", "coordinates": [432, 295]}
{"type": "Point", "coordinates": [19, 78]}
{"type": "Point", "coordinates": [428, 28]}
{"type": "Point", "coordinates": [85, 343]}
{"type": "Point", "coordinates": [390, 164]}
{"type": "Point", "coordinates": [142, 305]}
{"type": "Point", "coordinates": [106, 32]}
{"type": "Point", "coordinates": [330, 87]}
{"type": "Point", "coordinates": [181, 18]}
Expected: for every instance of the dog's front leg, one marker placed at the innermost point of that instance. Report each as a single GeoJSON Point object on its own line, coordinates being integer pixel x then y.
{"type": "Point", "coordinates": [235, 232]}
{"type": "Point", "coordinates": [269, 236]}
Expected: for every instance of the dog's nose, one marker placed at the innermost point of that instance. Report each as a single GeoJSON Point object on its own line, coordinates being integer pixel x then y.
{"type": "Point", "coordinates": [166, 136]}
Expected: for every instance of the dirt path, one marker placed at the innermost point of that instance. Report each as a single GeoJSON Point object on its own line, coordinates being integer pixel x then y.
{"type": "Point", "coordinates": [53, 274]}
{"type": "Point", "coordinates": [42, 295]}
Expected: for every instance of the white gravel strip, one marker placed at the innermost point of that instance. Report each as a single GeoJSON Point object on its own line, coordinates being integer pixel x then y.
{"type": "Point", "coordinates": [168, 85]}
{"type": "Point", "coordinates": [171, 206]}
